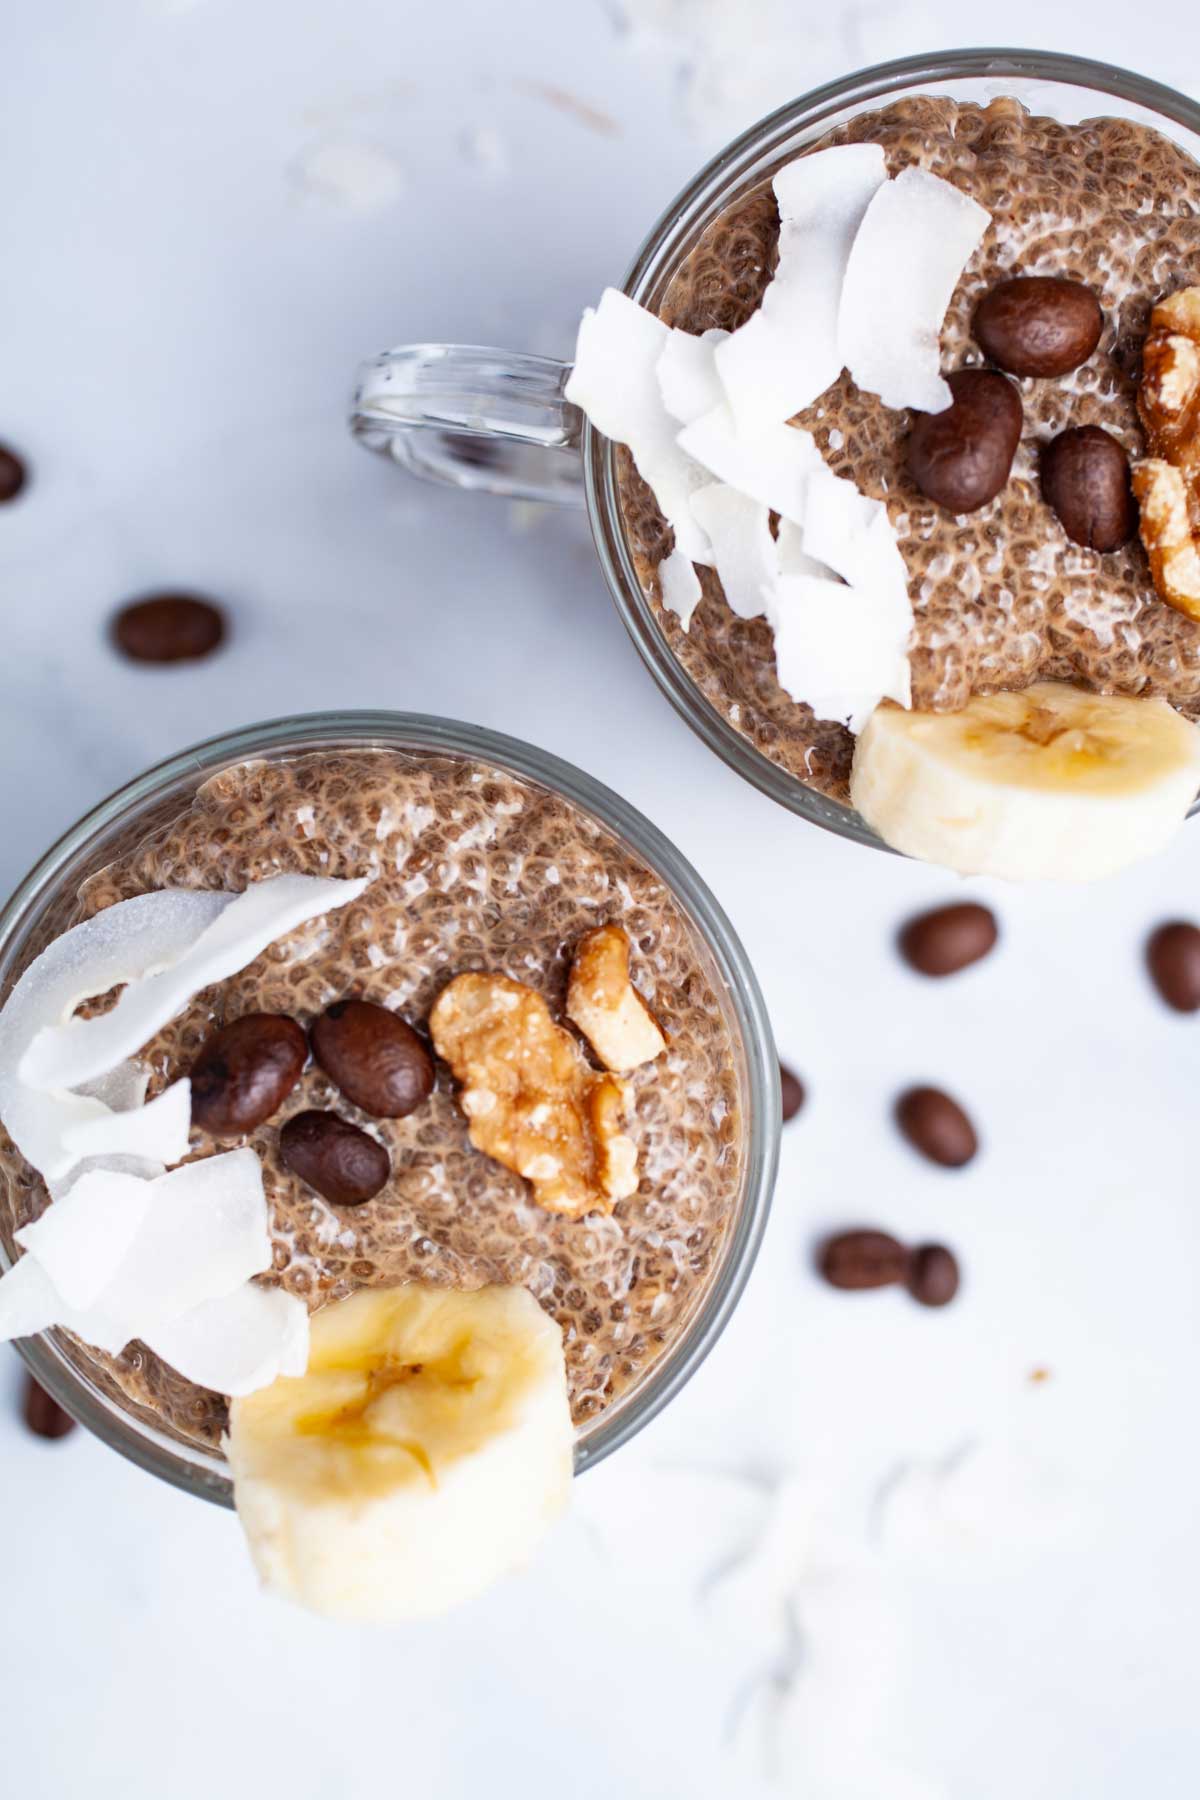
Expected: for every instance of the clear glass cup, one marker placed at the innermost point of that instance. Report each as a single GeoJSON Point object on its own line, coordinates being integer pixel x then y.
{"type": "Point", "coordinates": [42, 907]}
{"type": "Point", "coordinates": [496, 421]}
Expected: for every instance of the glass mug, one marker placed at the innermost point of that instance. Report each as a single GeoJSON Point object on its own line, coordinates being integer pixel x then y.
{"type": "Point", "coordinates": [496, 421]}
{"type": "Point", "coordinates": [42, 907]}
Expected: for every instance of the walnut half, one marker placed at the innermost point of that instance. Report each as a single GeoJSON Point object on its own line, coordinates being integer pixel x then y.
{"type": "Point", "coordinates": [1167, 483]}
{"type": "Point", "coordinates": [530, 1099]}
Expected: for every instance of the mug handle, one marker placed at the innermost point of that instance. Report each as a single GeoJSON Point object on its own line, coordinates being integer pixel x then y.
{"type": "Point", "coordinates": [493, 421]}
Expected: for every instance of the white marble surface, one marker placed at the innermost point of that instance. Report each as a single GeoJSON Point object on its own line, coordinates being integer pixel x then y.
{"type": "Point", "coordinates": [974, 1585]}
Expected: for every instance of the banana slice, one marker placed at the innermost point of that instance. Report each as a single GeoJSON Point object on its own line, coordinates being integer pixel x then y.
{"type": "Point", "coordinates": [422, 1456]}
{"type": "Point", "coordinates": [1051, 782]}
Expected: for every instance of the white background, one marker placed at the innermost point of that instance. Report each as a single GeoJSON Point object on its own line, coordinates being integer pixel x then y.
{"type": "Point", "coordinates": [977, 1585]}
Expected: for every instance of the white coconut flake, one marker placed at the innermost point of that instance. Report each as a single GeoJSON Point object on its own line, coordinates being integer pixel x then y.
{"type": "Point", "coordinates": [836, 648]}
{"type": "Point", "coordinates": [793, 558]}
{"type": "Point", "coordinates": [121, 944]}
{"type": "Point", "coordinates": [157, 1131]}
{"type": "Point", "coordinates": [203, 1234]}
{"type": "Point", "coordinates": [687, 374]}
{"type": "Point", "coordinates": [773, 467]}
{"type": "Point", "coordinates": [121, 1089]}
{"type": "Point", "coordinates": [82, 1240]}
{"type": "Point", "coordinates": [788, 352]}
{"type": "Point", "coordinates": [681, 590]}
{"type": "Point", "coordinates": [914, 242]}
{"type": "Point", "coordinates": [63, 1056]}
{"type": "Point", "coordinates": [739, 530]}
{"type": "Point", "coordinates": [239, 1342]}
{"type": "Point", "coordinates": [615, 383]}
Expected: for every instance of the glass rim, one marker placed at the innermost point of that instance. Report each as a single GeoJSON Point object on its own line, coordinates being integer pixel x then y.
{"type": "Point", "coordinates": [659, 253]}
{"type": "Point", "coordinates": [198, 1472]}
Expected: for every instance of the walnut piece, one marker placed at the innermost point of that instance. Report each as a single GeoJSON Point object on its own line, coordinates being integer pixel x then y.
{"type": "Point", "coordinates": [530, 1099]}
{"type": "Point", "coordinates": [1167, 483]}
{"type": "Point", "coordinates": [603, 1002]}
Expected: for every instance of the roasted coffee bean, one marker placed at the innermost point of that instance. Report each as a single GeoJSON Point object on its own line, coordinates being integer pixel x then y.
{"type": "Point", "coordinates": [1173, 958]}
{"type": "Point", "coordinates": [1085, 478]}
{"type": "Point", "coordinates": [937, 1126]}
{"type": "Point", "coordinates": [960, 458]}
{"type": "Point", "coordinates": [933, 1275]}
{"type": "Point", "coordinates": [862, 1259]}
{"type": "Point", "coordinates": [1038, 324]}
{"type": "Point", "coordinates": [13, 474]}
{"type": "Point", "coordinates": [793, 1093]}
{"type": "Point", "coordinates": [44, 1416]}
{"type": "Point", "coordinates": [948, 939]}
{"type": "Point", "coordinates": [168, 628]}
{"type": "Point", "coordinates": [245, 1072]}
{"type": "Point", "coordinates": [377, 1061]}
{"type": "Point", "coordinates": [333, 1156]}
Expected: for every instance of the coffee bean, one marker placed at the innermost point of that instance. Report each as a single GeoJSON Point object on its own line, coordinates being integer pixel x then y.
{"type": "Point", "coordinates": [937, 1126]}
{"type": "Point", "coordinates": [862, 1259]}
{"type": "Point", "coordinates": [377, 1061]}
{"type": "Point", "coordinates": [13, 474]}
{"type": "Point", "coordinates": [948, 939]}
{"type": "Point", "coordinates": [1085, 478]}
{"type": "Point", "coordinates": [168, 628]}
{"type": "Point", "coordinates": [933, 1275]}
{"type": "Point", "coordinates": [960, 458]}
{"type": "Point", "coordinates": [245, 1072]}
{"type": "Point", "coordinates": [333, 1156]}
{"type": "Point", "coordinates": [1038, 324]}
{"type": "Point", "coordinates": [1173, 957]}
{"type": "Point", "coordinates": [793, 1093]}
{"type": "Point", "coordinates": [44, 1416]}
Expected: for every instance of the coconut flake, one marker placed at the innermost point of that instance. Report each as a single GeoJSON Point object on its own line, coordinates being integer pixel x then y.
{"type": "Point", "coordinates": [914, 241]}
{"type": "Point", "coordinates": [121, 1089]}
{"type": "Point", "coordinates": [239, 1342]}
{"type": "Point", "coordinates": [63, 1056]}
{"type": "Point", "coordinates": [681, 590]}
{"type": "Point", "coordinates": [157, 1132]}
{"type": "Point", "coordinates": [614, 382]}
{"type": "Point", "coordinates": [788, 352]}
{"type": "Point", "coordinates": [119, 945]}
{"type": "Point", "coordinates": [836, 648]}
{"type": "Point", "coordinates": [773, 467]}
{"type": "Point", "coordinates": [205, 1233]}
{"type": "Point", "coordinates": [739, 530]}
{"type": "Point", "coordinates": [687, 374]}
{"type": "Point", "coordinates": [82, 1240]}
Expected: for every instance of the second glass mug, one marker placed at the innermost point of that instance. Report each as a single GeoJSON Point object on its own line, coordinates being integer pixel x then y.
{"type": "Point", "coordinates": [496, 421]}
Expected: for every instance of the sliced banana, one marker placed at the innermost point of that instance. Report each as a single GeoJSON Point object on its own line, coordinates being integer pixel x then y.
{"type": "Point", "coordinates": [1048, 783]}
{"type": "Point", "coordinates": [422, 1455]}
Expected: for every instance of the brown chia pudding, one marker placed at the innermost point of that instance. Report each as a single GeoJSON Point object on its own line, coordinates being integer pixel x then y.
{"type": "Point", "coordinates": [473, 868]}
{"type": "Point", "coordinates": [1001, 597]}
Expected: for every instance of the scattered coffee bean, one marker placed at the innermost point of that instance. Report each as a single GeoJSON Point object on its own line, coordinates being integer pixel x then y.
{"type": "Point", "coordinates": [13, 474]}
{"type": "Point", "coordinates": [937, 1126]}
{"type": "Point", "coordinates": [1173, 958]}
{"type": "Point", "coordinates": [862, 1259]}
{"type": "Point", "coordinates": [377, 1061]}
{"type": "Point", "coordinates": [44, 1416]}
{"type": "Point", "coordinates": [948, 939]}
{"type": "Point", "coordinates": [245, 1072]}
{"type": "Point", "coordinates": [793, 1093]}
{"type": "Point", "coordinates": [168, 628]}
{"type": "Point", "coordinates": [333, 1156]}
{"type": "Point", "coordinates": [960, 458]}
{"type": "Point", "coordinates": [1085, 478]}
{"type": "Point", "coordinates": [933, 1275]}
{"type": "Point", "coordinates": [1038, 324]}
